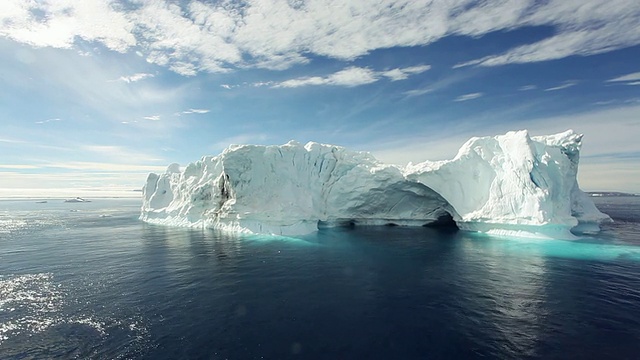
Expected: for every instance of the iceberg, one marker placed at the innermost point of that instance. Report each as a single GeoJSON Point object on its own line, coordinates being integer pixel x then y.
{"type": "Point", "coordinates": [515, 185]}
{"type": "Point", "coordinates": [289, 190]}
{"type": "Point", "coordinates": [511, 184]}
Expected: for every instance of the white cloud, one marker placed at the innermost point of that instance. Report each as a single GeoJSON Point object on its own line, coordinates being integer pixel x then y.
{"type": "Point", "coordinates": [403, 74]}
{"type": "Point", "coordinates": [196, 111]}
{"type": "Point", "coordinates": [527, 88]}
{"type": "Point", "coordinates": [135, 77]}
{"type": "Point", "coordinates": [455, 77]}
{"type": "Point", "coordinates": [18, 166]}
{"type": "Point", "coordinates": [581, 28]}
{"type": "Point", "coordinates": [47, 121]}
{"type": "Point", "coordinates": [628, 77]}
{"type": "Point", "coordinates": [88, 192]}
{"type": "Point", "coordinates": [262, 83]}
{"type": "Point", "coordinates": [353, 76]}
{"type": "Point", "coordinates": [418, 92]}
{"type": "Point", "coordinates": [633, 77]}
{"type": "Point", "coordinates": [64, 21]}
{"type": "Point", "coordinates": [12, 141]}
{"type": "Point", "coordinates": [566, 85]}
{"type": "Point", "coordinates": [224, 35]}
{"type": "Point", "coordinates": [467, 97]}
{"type": "Point", "coordinates": [152, 117]}
{"type": "Point", "coordinates": [349, 77]}
{"type": "Point", "coordinates": [100, 166]}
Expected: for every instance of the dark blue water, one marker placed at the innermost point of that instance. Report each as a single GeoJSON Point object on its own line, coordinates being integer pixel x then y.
{"type": "Point", "coordinates": [97, 283]}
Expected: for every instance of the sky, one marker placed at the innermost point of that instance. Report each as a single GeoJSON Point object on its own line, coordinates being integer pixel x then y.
{"type": "Point", "coordinates": [95, 94]}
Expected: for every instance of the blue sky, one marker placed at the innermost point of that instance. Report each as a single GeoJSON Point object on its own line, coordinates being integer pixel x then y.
{"type": "Point", "coordinates": [95, 94]}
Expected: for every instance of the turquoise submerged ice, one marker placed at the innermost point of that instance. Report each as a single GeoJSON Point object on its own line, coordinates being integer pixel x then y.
{"type": "Point", "coordinates": [511, 184]}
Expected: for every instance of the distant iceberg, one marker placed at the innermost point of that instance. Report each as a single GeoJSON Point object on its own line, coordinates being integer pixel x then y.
{"type": "Point", "coordinates": [511, 184]}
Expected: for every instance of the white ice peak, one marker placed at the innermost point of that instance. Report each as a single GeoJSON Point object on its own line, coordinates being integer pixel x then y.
{"type": "Point", "coordinates": [514, 184]}
{"type": "Point", "coordinates": [509, 184]}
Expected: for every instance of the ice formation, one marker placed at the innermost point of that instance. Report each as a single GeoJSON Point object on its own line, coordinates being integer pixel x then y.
{"type": "Point", "coordinates": [288, 190]}
{"type": "Point", "coordinates": [511, 184]}
{"type": "Point", "coordinates": [514, 184]}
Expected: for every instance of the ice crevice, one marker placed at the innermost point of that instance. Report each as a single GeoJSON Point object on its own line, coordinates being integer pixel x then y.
{"type": "Point", "coordinates": [512, 184]}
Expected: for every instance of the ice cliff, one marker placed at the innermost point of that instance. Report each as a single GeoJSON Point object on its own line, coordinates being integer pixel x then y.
{"type": "Point", "coordinates": [511, 184]}
{"type": "Point", "coordinates": [514, 184]}
{"type": "Point", "coordinates": [288, 189]}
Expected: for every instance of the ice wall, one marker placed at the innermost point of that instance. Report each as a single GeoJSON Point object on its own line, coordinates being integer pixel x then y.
{"type": "Point", "coordinates": [288, 189]}
{"type": "Point", "coordinates": [514, 184]}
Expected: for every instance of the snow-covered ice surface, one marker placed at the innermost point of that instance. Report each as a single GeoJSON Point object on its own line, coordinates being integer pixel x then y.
{"type": "Point", "coordinates": [511, 184]}
{"type": "Point", "coordinates": [288, 190]}
{"type": "Point", "coordinates": [515, 185]}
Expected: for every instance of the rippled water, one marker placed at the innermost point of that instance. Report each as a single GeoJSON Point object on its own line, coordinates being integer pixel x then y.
{"type": "Point", "coordinates": [88, 280]}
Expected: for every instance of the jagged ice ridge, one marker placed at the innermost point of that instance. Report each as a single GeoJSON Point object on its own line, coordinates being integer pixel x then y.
{"type": "Point", "coordinates": [511, 184]}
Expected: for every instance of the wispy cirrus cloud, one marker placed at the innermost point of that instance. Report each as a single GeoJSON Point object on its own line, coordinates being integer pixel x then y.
{"type": "Point", "coordinates": [629, 77]}
{"type": "Point", "coordinates": [196, 111]}
{"type": "Point", "coordinates": [18, 166]}
{"type": "Point", "coordinates": [152, 117]}
{"type": "Point", "coordinates": [222, 36]}
{"type": "Point", "coordinates": [11, 141]}
{"type": "Point", "coordinates": [581, 28]}
{"type": "Point", "coordinates": [632, 79]}
{"type": "Point", "coordinates": [527, 88]}
{"type": "Point", "coordinates": [418, 92]}
{"type": "Point", "coordinates": [349, 77]}
{"type": "Point", "coordinates": [353, 76]}
{"type": "Point", "coordinates": [467, 97]}
{"type": "Point", "coordinates": [566, 85]}
{"type": "Point", "coordinates": [135, 77]}
{"type": "Point", "coordinates": [47, 121]}
{"type": "Point", "coordinates": [404, 73]}
{"type": "Point", "coordinates": [100, 166]}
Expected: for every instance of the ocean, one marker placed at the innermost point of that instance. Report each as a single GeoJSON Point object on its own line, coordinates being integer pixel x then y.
{"type": "Point", "coordinates": [90, 281]}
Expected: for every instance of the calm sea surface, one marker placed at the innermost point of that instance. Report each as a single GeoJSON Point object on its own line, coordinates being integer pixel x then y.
{"type": "Point", "coordinates": [90, 281]}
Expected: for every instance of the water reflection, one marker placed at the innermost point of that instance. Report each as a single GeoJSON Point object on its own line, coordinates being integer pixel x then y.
{"type": "Point", "coordinates": [507, 295]}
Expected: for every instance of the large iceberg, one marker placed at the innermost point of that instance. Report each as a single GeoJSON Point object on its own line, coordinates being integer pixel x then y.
{"type": "Point", "coordinates": [289, 190]}
{"type": "Point", "coordinates": [511, 184]}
